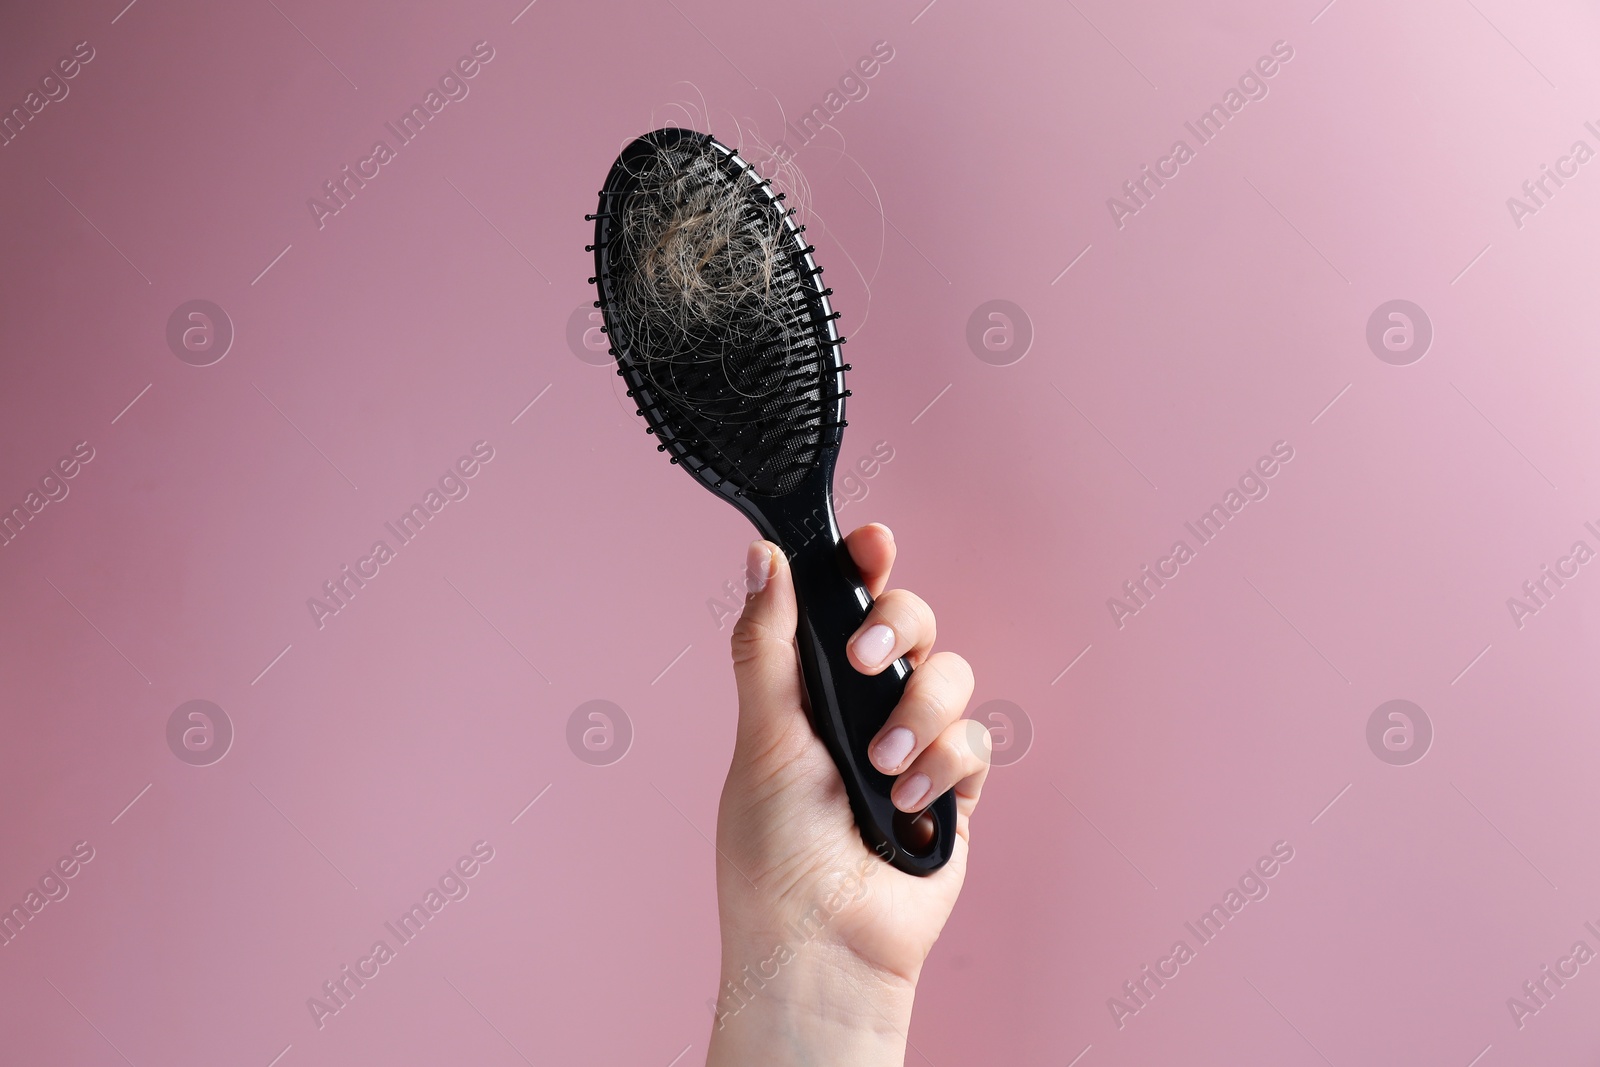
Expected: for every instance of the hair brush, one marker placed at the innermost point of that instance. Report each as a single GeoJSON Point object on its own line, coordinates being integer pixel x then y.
{"type": "Point", "coordinates": [715, 311]}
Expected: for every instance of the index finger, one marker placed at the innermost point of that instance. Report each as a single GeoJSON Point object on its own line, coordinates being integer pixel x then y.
{"type": "Point", "coordinates": [873, 549]}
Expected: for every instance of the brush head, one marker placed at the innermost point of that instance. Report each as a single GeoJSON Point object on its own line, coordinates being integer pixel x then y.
{"type": "Point", "coordinates": [717, 317]}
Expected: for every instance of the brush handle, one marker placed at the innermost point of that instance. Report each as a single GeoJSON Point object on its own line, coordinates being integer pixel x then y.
{"type": "Point", "coordinates": [848, 708]}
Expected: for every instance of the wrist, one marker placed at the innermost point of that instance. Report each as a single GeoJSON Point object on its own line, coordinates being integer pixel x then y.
{"type": "Point", "coordinates": [813, 1003]}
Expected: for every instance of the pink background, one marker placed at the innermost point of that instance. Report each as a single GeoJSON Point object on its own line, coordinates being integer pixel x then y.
{"type": "Point", "coordinates": [372, 352]}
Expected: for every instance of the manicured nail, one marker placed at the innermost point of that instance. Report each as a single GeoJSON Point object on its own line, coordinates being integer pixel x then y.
{"type": "Point", "coordinates": [874, 645]}
{"type": "Point", "coordinates": [892, 749]}
{"type": "Point", "coordinates": [908, 794]}
{"type": "Point", "coordinates": [757, 567]}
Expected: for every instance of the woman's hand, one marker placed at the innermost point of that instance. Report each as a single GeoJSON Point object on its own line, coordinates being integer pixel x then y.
{"type": "Point", "coordinates": [822, 941]}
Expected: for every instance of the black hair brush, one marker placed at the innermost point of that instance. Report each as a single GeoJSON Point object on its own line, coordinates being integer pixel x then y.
{"type": "Point", "coordinates": [716, 314]}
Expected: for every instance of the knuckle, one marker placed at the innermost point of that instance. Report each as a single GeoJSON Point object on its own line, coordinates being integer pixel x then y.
{"type": "Point", "coordinates": [749, 638]}
{"type": "Point", "coordinates": [915, 607]}
{"type": "Point", "coordinates": [744, 647]}
{"type": "Point", "coordinates": [907, 614]}
{"type": "Point", "coordinates": [935, 704]}
{"type": "Point", "coordinates": [953, 669]}
{"type": "Point", "coordinates": [945, 687]}
{"type": "Point", "coordinates": [944, 752]}
{"type": "Point", "coordinates": [979, 742]}
{"type": "Point", "coordinates": [962, 669]}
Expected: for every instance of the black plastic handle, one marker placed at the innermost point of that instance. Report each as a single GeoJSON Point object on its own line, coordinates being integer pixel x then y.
{"type": "Point", "coordinates": [848, 708]}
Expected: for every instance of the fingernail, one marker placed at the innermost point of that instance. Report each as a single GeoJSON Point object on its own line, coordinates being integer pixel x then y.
{"type": "Point", "coordinates": [874, 645]}
{"type": "Point", "coordinates": [887, 530]}
{"type": "Point", "coordinates": [757, 567]}
{"type": "Point", "coordinates": [909, 793]}
{"type": "Point", "coordinates": [892, 749]}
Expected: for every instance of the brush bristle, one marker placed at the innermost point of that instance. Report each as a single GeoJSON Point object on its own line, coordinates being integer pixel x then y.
{"type": "Point", "coordinates": [709, 299]}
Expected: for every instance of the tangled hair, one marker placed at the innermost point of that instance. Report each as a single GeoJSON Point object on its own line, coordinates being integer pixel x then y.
{"type": "Point", "coordinates": [703, 273]}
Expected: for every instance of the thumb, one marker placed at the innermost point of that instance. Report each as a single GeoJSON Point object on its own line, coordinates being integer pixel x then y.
{"type": "Point", "coordinates": [765, 665]}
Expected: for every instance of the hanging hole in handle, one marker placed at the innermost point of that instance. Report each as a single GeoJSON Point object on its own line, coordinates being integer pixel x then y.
{"type": "Point", "coordinates": [916, 832]}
